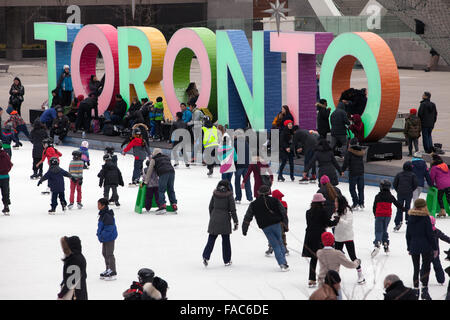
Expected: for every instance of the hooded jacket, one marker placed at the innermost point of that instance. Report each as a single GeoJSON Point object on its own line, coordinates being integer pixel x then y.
{"type": "Point", "coordinates": [419, 232]}
{"type": "Point", "coordinates": [413, 127]}
{"type": "Point", "coordinates": [421, 171]}
{"type": "Point", "coordinates": [427, 113]}
{"type": "Point", "coordinates": [304, 139]}
{"type": "Point", "coordinates": [15, 119]}
{"type": "Point", "coordinates": [5, 164]}
{"type": "Point", "coordinates": [55, 176]}
{"type": "Point", "coordinates": [357, 127]}
{"type": "Point", "coordinates": [140, 150]}
{"type": "Point", "coordinates": [440, 176]}
{"type": "Point", "coordinates": [110, 175]}
{"type": "Point", "coordinates": [37, 135]}
{"type": "Point", "coordinates": [354, 161]}
{"type": "Point", "coordinates": [405, 182]}
{"type": "Point", "coordinates": [106, 228]}
{"type": "Point", "coordinates": [222, 209]}
{"type": "Point", "coordinates": [159, 163]}
{"type": "Point", "coordinates": [323, 120]}
{"type": "Point", "coordinates": [339, 121]}
{"type": "Point", "coordinates": [327, 163]}
{"type": "Point", "coordinates": [278, 195]}
{"type": "Point", "coordinates": [74, 258]}
{"type": "Point", "coordinates": [48, 115]}
{"type": "Point", "coordinates": [267, 211]}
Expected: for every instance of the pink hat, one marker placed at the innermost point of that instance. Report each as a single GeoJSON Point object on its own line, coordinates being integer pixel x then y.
{"type": "Point", "coordinates": [433, 222]}
{"type": "Point", "coordinates": [324, 179]}
{"type": "Point", "coordinates": [318, 197]}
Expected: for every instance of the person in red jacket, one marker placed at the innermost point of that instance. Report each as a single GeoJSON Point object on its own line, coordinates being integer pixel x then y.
{"type": "Point", "coordinates": [5, 167]}
{"type": "Point", "coordinates": [49, 152]}
{"type": "Point", "coordinates": [277, 194]}
{"type": "Point", "coordinates": [140, 152]}
{"type": "Point", "coordinates": [357, 127]}
{"type": "Point", "coordinates": [261, 173]}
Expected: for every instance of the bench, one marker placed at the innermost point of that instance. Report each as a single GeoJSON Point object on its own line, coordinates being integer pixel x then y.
{"type": "Point", "coordinates": [4, 67]}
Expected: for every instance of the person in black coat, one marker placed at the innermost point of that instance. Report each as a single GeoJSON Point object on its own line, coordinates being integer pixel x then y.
{"type": "Point", "coordinates": [118, 112]}
{"type": "Point", "coordinates": [339, 123]}
{"type": "Point", "coordinates": [306, 141]}
{"type": "Point", "coordinates": [37, 135]}
{"type": "Point", "coordinates": [56, 100]}
{"type": "Point", "coordinates": [330, 192]}
{"type": "Point", "coordinates": [317, 220]}
{"type": "Point", "coordinates": [354, 162]}
{"type": "Point", "coordinates": [16, 93]}
{"type": "Point", "coordinates": [286, 150]}
{"type": "Point", "coordinates": [179, 124]}
{"type": "Point", "coordinates": [222, 209]}
{"type": "Point", "coordinates": [327, 162]}
{"type": "Point", "coordinates": [269, 214]}
{"type": "Point", "coordinates": [420, 242]}
{"type": "Point", "coordinates": [60, 125]}
{"type": "Point", "coordinates": [84, 115]}
{"type": "Point", "coordinates": [95, 86]}
{"type": "Point", "coordinates": [73, 286]}
{"type": "Point", "coordinates": [323, 118]}
{"type": "Point", "coordinates": [404, 183]}
{"type": "Point", "coordinates": [428, 117]}
{"type": "Point", "coordinates": [110, 177]}
{"type": "Point", "coordinates": [396, 290]}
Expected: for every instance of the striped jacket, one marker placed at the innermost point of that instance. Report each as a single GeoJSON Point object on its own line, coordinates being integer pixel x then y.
{"type": "Point", "coordinates": [76, 168]}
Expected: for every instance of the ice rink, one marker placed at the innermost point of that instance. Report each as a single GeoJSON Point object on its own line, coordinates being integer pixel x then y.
{"type": "Point", "coordinates": [172, 245]}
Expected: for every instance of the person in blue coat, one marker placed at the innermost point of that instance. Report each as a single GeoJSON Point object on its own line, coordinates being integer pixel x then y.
{"type": "Point", "coordinates": [107, 234]}
{"type": "Point", "coordinates": [421, 243]}
{"type": "Point", "coordinates": [48, 116]}
{"type": "Point", "coordinates": [187, 114]}
{"type": "Point", "coordinates": [420, 169]}
{"type": "Point", "coordinates": [55, 176]}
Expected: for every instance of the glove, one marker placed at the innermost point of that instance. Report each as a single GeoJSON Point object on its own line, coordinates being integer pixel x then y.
{"type": "Point", "coordinates": [74, 180]}
{"type": "Point", "coordinates": [236, 225]}
{"type": "Point", "coordinates": [100, 185]}
{"type": "Point", "coordinates": [337, 218]}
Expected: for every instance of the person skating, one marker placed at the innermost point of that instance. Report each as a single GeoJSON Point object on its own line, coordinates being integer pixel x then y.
{"type": "Point", "coordinates": [327, 162]}
{"type": "Point", "coordinates": [222, 209]}
{"type": "Point", "coordinates": [339, 122]}
{"type": "Point", "coordinates": [262, 175]}
{"type": "Point", "coordinates": [5, 167]}
{"type": "Point", "coordinates": [76, 170]}
{"type": "Point", "coordinates": [382, 210]}
{"type": "Point", "coordinates": [440, 177]}
{"type": "Point", "coordinates": [7, 138]}
{"type": "Point", "coordinates": [55, 176]}
{"type": "Point", "coordinates": [330, 192]}
{"type": "Point", "coordinates": [37, 135]}
{"type": "Point", "coordinates": [241, 145]}
{"type": "Point", "coordinates": [73, 288]}
{"type": "Point", "coordinates": [140, 152]}
{"type": "Point", "coordinates": [227, 156]}
{"type": "Point", "coordinates": [166, 174]}
{"type": "Point", "coordinates": [110, 178]}
{"type": "Point", "coordinates": [412, 130]}
{"type": "Point", "coordinates": [396, 290]}
{"type": "Point", "coordinates": [107, 235]}
{"type": "Point", "coordinates": [420, 242]}
{"type": "Point", "coordinates": [357, 127]}
{"type": "Point", "coordinates": [152, 188]}
{"type": "Point", "coordinates": [286, 151]}
{"type": "Point", "coordinates": [421, 171]}
{"type": "Point", "coordinates": [438, 235]}
{"type": "Point", "coordinates": [18, 125]}
{"type": "Point", "coordinates": [110, 151]}
{"type": "Point", "coordinates": [405, 183]}
{"type": "Point", "coordinates": [210, 144]}
{"type": "Point", "coordinates": [354, 162]}
{"type": "Point", "coordinates": [84, 149]}
{"type": "Point", "coordinates": [343, 232]}
{"type": "Point", "coordinates": [306, 141]}
{"type": "Point", "coordinates": [277, 194]}
{"type": "Point", "coordinates": [269, 213]}
{"type": "Point", "coordinates": [148, 287]}
{"type": "Point", "coordinates": [317, 220]}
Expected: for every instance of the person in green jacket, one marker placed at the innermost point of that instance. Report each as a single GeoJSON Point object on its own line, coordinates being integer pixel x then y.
{"type": "Point", "coordinates": [159, 117]}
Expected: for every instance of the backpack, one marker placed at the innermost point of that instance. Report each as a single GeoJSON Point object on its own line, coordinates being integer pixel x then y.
{"type": "Point", "coordinates": [161, 285]}
{"type": "Point", "coordinates": [109, 129]}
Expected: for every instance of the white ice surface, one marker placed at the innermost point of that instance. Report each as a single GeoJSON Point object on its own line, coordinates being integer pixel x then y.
{"type": "Point", "coordinates": [172, 245]}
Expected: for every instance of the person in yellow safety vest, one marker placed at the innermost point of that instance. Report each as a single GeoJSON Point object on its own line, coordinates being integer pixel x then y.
{"type": "Point", "coordinates": [210, 140]}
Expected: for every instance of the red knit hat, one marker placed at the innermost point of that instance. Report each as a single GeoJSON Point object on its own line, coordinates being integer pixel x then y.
{"type": "Point", "coordinates": [286, 122]}
{"type": "Point", "coordinates": [327, 239]}
{"type": "Point", "coordinates": [413, 111]}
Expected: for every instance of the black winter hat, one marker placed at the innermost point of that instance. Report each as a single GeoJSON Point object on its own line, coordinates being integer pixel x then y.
{"type": "Point", "coordinates": [385, 185]}
{"type": "Point", "coordinates": [407, 166]}
{"type": "Point", "coordinates": [224, 186]}
{"type": "Point", "coordinates": [264, 190]}
{"type": "Point", "coordinates": [74, 244]}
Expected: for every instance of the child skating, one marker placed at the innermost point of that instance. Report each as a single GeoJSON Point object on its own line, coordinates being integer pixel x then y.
{"type": "Point", "coordinates": [37, 135]}
{"type": "Point", "coordinates": [48, 153]}
{"type": "Point", "coordinates": [152, 188]}
{"type": "Point", "coordinates": [5, 167]}
{"type": "Point", "coordinates": [277, 194]}
{"type": "Point", "coordinates": [85, 154]}
{"type": "Point", "coordinates": [140, 152]}
{"type": "Point", "coordinates": [8, 136]}
{"type": "Point", "coordinates": [110, 178]}
{"type": "Point", "coordinates": [107, 235]}
{"type": "Point", "coordinates": [76, 170]}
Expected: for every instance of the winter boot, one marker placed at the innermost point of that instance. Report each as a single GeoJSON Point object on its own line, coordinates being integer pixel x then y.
{"type": "Point", "coordinates": [269, 251]}
{"type": "Point", "coordinates": [361, 279]}
{"type": "Point", "coordinates": [376, 249]}
{"type": "Point", "coordinates": [442, 214]}
{"type": "Point", "coordinates": [386, 247]}
{"type": "Point", "coordinates": [52, 211]}
{"type": "Point", "coordinates": [210, 173]}
{"type": "Point", "coordinates": [79, 205]}
{"type": "Point", "coordinates": [424, 294]}
{"type": "Point", "coordinates": [70, 206]}
{"type": "Point", "coordinates": [284, 267]}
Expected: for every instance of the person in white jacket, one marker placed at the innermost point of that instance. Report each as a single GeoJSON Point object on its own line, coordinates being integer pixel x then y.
{"type": "Point", "coordinates": [343, 232]}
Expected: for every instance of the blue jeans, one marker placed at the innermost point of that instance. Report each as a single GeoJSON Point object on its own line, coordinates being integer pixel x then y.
{"type": "Point", "coordinates": [353, 183]}
{"type": "Point", "coordinates": [226, 247]}
{"type": "Point", "coordinates": [308, 156]}
{"type": "Point", "coordinates": [137, 170]}
{"type": "Point", "coordinates": [273, 234]}
{"type": "Point", "coordinates": [381, 227]}
{"type": "Point", "coordinates": [406, 202]}
{"type": "Point", "coordinates": [427, 139]}
{"type": "Point", "coordinates": [166, 182]}
{"type": "Point", "coordinates": [55, 196]}
{"type": "Point", "coordinates": [227, 176]}
{"type": "Point", "coordinates": [241, 172]}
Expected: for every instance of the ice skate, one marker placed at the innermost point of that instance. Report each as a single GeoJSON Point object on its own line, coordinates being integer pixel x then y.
{"type": "Point", "coordinates": [205, 262]}
{"type": "Point", "coordinates": [397, 227]}
{"type": "Point", "coordinates": [79, 205]}
{"type": "Point", "coordinates": [52, 211]}
{"type": "Point", "coordinates": [175, 165]}
{"type": "Point", "coordinates": [281, 179]}
{"type": "Point", "coordinates": [284, 267]}
{"type": "Point", "coordinates": [361, 207]}
{"type": "Point", "coordinates": [442, 214]}
{"type": "Point", "coordinates": [161, 209]}
{"type": "Point", "coordinates": [238, 201]}
{"type": "Point", "coordinates": [313, 179]}
{"type": "Point", "coordinates": [375, 250]}
{"type": "Point", "coordinates": [355, 207]}
{"type": "Point", "coordinates": [228, 264]}
{"type": "Point", "coordinates": [386, 247]}
{"type": "Point", "coordinates": [103, 274]}
{"type": "Point", "coordinates": [304, 180]}
{"type": "Point", "coordinates": [269, 252]}
{"type": "Point", "coordinates": [34, 176]}
{"type": "Point", "coordinates": [175, 208]}
{"type": "Point", "coordinates": [188, 166]}
{"type": "Point", "coordinates": [424, 294]}
{"type": "Point", "coordinates": [210, 173]}
{"type": "Point", "coordinates": [47, 191]}
{"type": "Point", "coordinates": [312, 284]}
{"type": "Point", "coordinates": [133, 184]}
{"type": "Point", "coordinates": [110, 275]}
{"type": "Point", "coordinates": [117, 204]}
{"type": "Point", "coordinates": [361, 279]}
{"type": "Point", "coordinates": [64, 205]}
{"type": "Point", "coordinates": [287, 252]}
{"type": "Point", "coordinates": [292, 179]}
{"type": "Point", "coordinates": [70, 206]}
{"type": "Point", "coordinates": [6, 210]}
